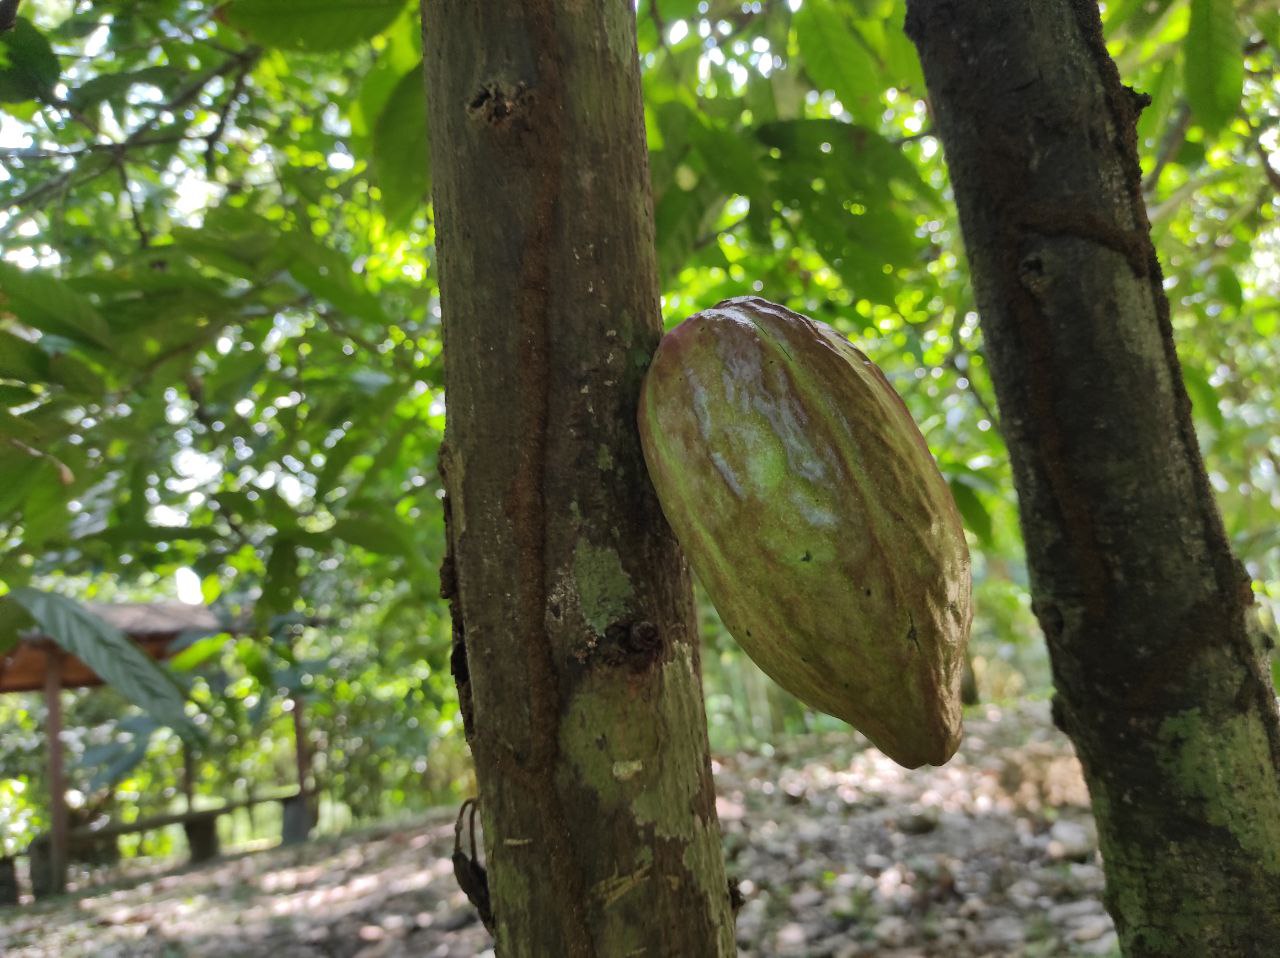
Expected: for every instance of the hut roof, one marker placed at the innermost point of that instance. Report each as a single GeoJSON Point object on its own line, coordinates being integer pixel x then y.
{"type": "Point", "coordinates": [153, 625]}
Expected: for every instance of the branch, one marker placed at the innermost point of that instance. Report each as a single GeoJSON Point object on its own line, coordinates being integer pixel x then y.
{"type": "Point", "coordinates": [952, 362]}
{"type": "Point", "coordinates": [212, 141]}
{"type": "Point", "coordinates": [65, 475]}
{"type": "Point", "coordinates": [8, 14]}
{"type": "Point", "coordinates": [23, 153]}
{"type": "Point", "coordinates": [244, 60]}
{"type": "Point", "coordinates": [195, 389]}
{"type": "Point", "coordinates": [1169, 147]}
{"type": "Point", "coordinates": [144, 238]}
{"type": "Point", "coordinates": [1272, 174]}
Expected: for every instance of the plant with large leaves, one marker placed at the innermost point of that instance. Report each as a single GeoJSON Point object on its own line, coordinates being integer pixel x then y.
{"type": "Point", "coordinates": [219, 341]}
{"type": "Point", "coordinates": [116, 659]}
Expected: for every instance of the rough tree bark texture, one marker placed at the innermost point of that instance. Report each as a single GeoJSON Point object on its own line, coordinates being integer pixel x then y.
{"type": "Point", "coordinates": [575, 645]}
{"type": "Point", "coordinates": [1161, 683]}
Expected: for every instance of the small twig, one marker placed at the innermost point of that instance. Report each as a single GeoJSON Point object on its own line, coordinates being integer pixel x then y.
{"type": "Point", "coordinates": [195, 389]}
{"type": "Point", "coordinates": [659, 24]}
{"type": "Point", "coordinates": [952, 362]}
{"type": "Point", "coordinates": [983, 405]}
{"type": "Point", "coordinates": [707, 239]}
{"type": "Point", "coordinates": [211, 143]}
{"type": "Point", "coordinates": [65, 475]}
{"type": "Point", "coordinates": [1272, 174]}
{"type": "Point", "coordinates": [1174, 137]}
{"type": "Point", "coordinates": [243, 60]}
{"type": "Point", "coordinates": [144, 238]}
{"type": "Point", "coordinates": [404, 363]}
{"type": "Point", "coordinates": [25, 153]}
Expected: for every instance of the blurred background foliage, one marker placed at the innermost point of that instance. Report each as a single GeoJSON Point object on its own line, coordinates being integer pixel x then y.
{"type": "Point", "coordinates": [220, 358]}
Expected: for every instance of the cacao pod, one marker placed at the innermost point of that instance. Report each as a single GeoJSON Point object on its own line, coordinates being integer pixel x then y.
{"type": "Point", "coordinates": [816, 518]}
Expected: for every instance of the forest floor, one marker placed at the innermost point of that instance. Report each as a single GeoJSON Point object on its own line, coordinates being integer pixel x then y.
{"type": "Point", "coordinates": [838, 852]}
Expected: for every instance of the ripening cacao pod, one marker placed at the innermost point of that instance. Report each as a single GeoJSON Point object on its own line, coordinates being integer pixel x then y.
{"type": "Point", "coordinates": [816, 519]}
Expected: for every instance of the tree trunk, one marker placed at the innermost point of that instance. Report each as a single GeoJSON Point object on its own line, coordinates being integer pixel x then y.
{"type": "Point", "coordinates": [575, 649]}
{"type": "Point", "coordinates": [1161, 683]}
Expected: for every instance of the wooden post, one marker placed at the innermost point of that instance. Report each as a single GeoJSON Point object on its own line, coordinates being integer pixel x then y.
{"type": "Point", "coordinates": [202, 837]}
{"type": "Point", "coordinates": [302, 753]}
{"type": "Point", "coordinates": [188, 774]}
{"type": "Point", "coordinates": [57, 780]}
{"type": "Point", "coordinates": [299, 815]}
{"type": "Point", "coordinates": [8, 882]}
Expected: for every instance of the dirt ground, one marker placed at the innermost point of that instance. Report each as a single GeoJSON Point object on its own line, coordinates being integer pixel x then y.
{"type": "Point", "coordinates": [838, 852]}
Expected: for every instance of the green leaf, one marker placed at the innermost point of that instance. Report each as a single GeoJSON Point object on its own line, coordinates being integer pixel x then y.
{"type": "Point", "coordinates": [251, 656]}
{"type": "Point", "coordinates": [313, 24]}
{"type": "Point", "coordinates": [901, 60]}
{"type": "Point", "coordinates": [375, 533]}
{"type": "Point", "coordinates": [108, 652]}
{"type": "Point", "coordinates": [683, 217]}
{"type": "Point", "coordinates": [280, 586]}
{"type": "Point", "coordinates": [14, 622]}
{"type": "Point", "coordinates": [115, 760]}
{"type": "Point", "coordinates": [22, 360]}
{"type": "Point", "coordinates": [329, 275]}
{"type": "Point", "coordinates": [234, 239]}
{"type": "Point", "coordinates": [401, 157]}
{"type": "Point", "coordinates": [1135, 16]}
{"type": "Point", "coordinates": [114, 86]}
{"type": "Point", "coordinates": [1268, 24]}
{"type": "Point", "coordinates": [1214, 63]}
{"type": "Point", "coordinates": [75, 375]}
{"type": "Point", "coordinates": [385, 534]}
{"type": "Point", "coordinates": [1204, 398]}
{"type": "Point", "coordinates": [11, 395]}
{"type": "Point", "coordinates": [1152, 122]}
{"type": "Point", "coordinates": [731, 160]}
{"type": "Point", "coordinates": [835, 59]}
{"type": "Point", "coordinates": [21, 473]}
{"type": "Point", "coordinates": [49, 304]}
{"type": "Point", "coordinates": [44, 514]}
{"type": "Point", "coordinates": [403, 49]}
{"type": "Point", "coordinates": [976, 517]}
{"type": "Point", "coordinates": [199, 652]}
{"type": "Point", "coordinates": [32, 67]}
{"type": "Point", "coordinates": [1228, 286]}
{"type": "Point", "coordinates": [131, 536]}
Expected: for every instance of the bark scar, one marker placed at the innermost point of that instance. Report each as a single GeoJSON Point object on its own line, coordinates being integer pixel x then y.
{"type": "Point", "coordinates": [1064, 219]}
{"type": "Point", "coordinates": [497, 102]}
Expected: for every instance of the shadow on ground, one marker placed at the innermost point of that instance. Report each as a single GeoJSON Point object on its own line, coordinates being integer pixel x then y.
{"type": "Point", "coordinates": [838, 852]}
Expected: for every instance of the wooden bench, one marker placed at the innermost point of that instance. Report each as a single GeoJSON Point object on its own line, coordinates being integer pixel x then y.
{"type": "Point", "coordinates": [199, 824]}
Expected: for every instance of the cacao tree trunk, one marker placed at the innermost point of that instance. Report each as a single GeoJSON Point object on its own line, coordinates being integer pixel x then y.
{"type": "Point", "coordinates": [575, 651]}
{"type": "Point", "coordinates": [1161, 683]}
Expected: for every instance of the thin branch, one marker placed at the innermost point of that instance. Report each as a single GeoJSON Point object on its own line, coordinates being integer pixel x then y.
{"type": "Point", "coordinates": [243, 60]}
{"type": "Point", "coordinates": [224, 118]}
{"type": "Point", "coordinates": [65, 475]}
{"type": "Point", "coordinates": [706, 239]}
{"type": "Point", "coordinates": [1174, 137]}
{"type": "Point", "coordinates": [406, 364]}
{"type": "Point", "coordinates": [200, 412]}
{"type": "Point", "coordinates": [144, 238]}
{"type": "Point", "coordinates": [1272, 174]}
{"type": "Point", "coordinates": [24, 153]}
{"type": "Point", "coordinates": [952, 362]}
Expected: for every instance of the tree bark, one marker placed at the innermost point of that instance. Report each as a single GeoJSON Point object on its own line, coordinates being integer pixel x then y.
{"type": "Point", "coordinates": [575, 650]}
{"type": "Point", "coordinates": [1161, 682]}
